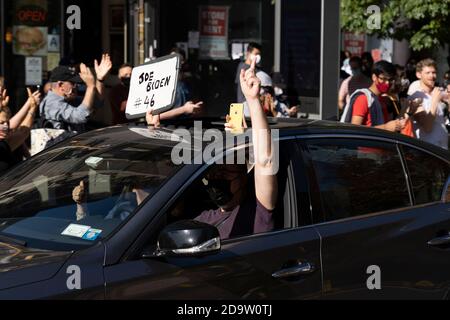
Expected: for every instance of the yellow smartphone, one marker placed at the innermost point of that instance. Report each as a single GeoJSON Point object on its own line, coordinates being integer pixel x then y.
{"type": "Point", "coordinates": [237, 115]}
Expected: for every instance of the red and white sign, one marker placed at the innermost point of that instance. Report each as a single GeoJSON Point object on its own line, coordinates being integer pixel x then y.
{"type": "Point", "coordinates": [213, 29]}
{"type": "Point", "coordinates": [354, 43]}
{"type": "Point", "coordinates": [213, 21]}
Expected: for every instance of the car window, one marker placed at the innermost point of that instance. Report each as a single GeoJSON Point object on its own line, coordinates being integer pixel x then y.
{"type": "Point", "coordinates": [357, 177]}
{"type": "Point", "coordinates": [428, 175]}
{"type": "Point", "coordinates": [446, 193]}
{"type": "Point", "coordinates": [235, 214]}
{"type": "Point", "coordinates": [80, 195]}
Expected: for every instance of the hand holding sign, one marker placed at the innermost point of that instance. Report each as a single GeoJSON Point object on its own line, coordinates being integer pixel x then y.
{"type": "Point", "coordinates": [153, 87]}
{"type": "Point", "coordinates": [151, 119]}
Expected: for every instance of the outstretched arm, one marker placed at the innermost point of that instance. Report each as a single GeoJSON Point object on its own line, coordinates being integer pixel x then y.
{"type": "Point", "coordinates": [189, 108]}
{"type": "Point", "coordinates": [89, 79]}
{"type": "Point", "coordinates": [30, 106]}
{"type": "Point", "coordinates": [265, 176]}
{"type": "Point", "coordinates": [22, 131]}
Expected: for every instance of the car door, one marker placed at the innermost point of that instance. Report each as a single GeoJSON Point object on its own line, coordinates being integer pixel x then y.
{"type": "Point", "coordinates": [377, 228]}
{"type": "Point", "coordinates": [280, 264]}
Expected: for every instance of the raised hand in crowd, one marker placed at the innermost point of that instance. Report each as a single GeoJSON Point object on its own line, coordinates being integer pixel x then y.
{"type": "Point", "coordinates": [4, 98]}
{"type": "Point", "coordinates": [89, 79]}
{"type": "Point", "coordinates": [87, 76]}
{"type": "Point", "coordinates": [101, 71]}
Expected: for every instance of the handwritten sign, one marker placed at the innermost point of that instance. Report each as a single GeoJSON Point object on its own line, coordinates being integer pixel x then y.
{"type": "Point", "coordinates": [153, 85]}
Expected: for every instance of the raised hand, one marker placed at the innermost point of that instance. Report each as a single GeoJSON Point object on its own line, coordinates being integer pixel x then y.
{"type": "Point", "coordinates": [86, 75]}
{"type": "Point", "coordinates": [78, 194]}
{"type": "Point", "coordinates": [250, 84]}
{"type": "Point", "coordinates": [4, 98]}
{"type": "Point", "coordinates": [34, 98]}
{"type": "Point", "coordinates": [102, 69]}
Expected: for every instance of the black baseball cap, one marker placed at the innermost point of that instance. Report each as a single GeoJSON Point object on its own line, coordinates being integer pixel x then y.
{"type": "Point", "coordinates": [64, 73]}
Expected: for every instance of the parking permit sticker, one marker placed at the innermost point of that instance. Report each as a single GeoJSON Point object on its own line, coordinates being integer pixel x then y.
{"type": "Point", "coordinates": [153, 85]}
{"type": "Point", "coordinates": [92, 234]}
{"type": "Point", "coordinates": [76, 230]}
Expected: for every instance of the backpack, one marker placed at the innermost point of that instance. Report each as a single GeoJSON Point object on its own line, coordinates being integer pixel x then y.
{"type": "Point", "coordinates": [374, 105]}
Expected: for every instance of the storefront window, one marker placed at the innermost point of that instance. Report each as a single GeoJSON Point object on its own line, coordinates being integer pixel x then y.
{"type": "Point", "coordinates": [32, 44]}
{"type": "Point", "coordinates": [300, 51]}
{"type": "Point", "coordinates": [214, 35]}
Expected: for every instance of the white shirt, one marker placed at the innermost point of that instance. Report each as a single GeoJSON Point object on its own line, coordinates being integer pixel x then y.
{"type": "Point", "coordinates": [438, 135]}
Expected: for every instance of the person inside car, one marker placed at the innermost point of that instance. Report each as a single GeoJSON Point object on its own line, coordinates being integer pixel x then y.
{"type": "Point", "coordinates": [237, 212]}
{"type": "Point", "coordinates": [133, 194]}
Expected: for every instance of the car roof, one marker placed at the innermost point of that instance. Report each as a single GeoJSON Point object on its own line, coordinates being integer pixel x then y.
{"type": "Point", "coordinates": [170, 130]}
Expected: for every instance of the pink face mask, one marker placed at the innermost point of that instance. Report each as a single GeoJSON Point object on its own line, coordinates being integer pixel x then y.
{"type": "Point", "coordinates": [383, 87]}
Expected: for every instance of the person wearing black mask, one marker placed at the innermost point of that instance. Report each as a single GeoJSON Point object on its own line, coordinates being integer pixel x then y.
{"type": "Point", "coordinates": [239, 211]}
{"type": "Point", "coordinates": [119, 95]}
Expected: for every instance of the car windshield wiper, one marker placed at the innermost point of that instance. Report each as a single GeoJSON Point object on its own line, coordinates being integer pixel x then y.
{"type": "Point", "coordinates": [10, 240]}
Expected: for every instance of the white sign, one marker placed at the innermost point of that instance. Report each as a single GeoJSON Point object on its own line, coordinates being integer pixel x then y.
{"type": "Point", "coordinates": [153, 85]}
{"type": "Point", "coordinates": [53, 43]}
{"type": "Point", "coordinates": [33, 71]}
{"type": "Point", "coordinates": [75, 230]}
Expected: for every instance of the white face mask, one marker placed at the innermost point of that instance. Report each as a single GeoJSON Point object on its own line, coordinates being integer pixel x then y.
{"type": "Point", "coordinates": [404, 82]}
{"type": "Point", "coordinates": [258, 58]}
{"type": "Point", "coordinates": [278, 91]}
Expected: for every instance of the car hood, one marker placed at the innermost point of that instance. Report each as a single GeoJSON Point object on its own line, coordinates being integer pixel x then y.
{"type": "Point", "coordinates": [20, 265]}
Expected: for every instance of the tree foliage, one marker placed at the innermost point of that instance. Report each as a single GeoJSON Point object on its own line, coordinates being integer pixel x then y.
{"type": "Point", "coordinates": [424, 23]}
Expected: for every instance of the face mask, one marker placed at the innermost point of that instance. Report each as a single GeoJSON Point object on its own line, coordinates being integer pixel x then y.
{"type": "Point", "coordinates": [258, 58]}
{"type": "Point", "coordinates": [278, 91]}
{"type": "Point", "coordinates": [126, 82]}
{"type": "Point", "coordinates": [356, 72]}
{"type": "Point", "coordinates": [404, 82]}
{"type": "Point", "coordinates": [383, 87]}
{"type": "Point", "coordinates": [219, 191]}
{"type": "Point", "coordinates": [70, 95]}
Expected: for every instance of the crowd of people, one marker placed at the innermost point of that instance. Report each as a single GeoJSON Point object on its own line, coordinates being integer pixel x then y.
{"type": "Point", "coordinates": [379, 94]}
{"type": "Point", "coordinates": [392, 98]}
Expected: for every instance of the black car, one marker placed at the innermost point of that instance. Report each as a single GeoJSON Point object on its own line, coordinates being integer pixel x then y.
{"type": "Point", "coordinates": [361, 213]}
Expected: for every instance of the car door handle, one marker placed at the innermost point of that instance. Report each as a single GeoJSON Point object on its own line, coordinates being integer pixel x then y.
{"type": "Point", "coordinates": [440, 240]}
{"type": "Point", "coordinates": [303, 268]}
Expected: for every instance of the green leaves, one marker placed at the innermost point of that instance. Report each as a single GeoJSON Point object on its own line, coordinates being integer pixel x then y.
{"type": "Point", "coordinates": [425, 23]}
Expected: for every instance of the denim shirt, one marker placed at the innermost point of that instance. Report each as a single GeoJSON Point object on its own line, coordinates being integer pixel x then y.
{"type": "Point", "coordinates": [61, 113]}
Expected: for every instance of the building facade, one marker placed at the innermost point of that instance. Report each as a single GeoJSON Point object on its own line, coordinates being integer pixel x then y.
{"type": "Point", "coordinates": [299, 38]}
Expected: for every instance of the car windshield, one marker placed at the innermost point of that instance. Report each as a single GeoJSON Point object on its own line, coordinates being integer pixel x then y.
{"type": "Point", "coordinates": [72, 196]}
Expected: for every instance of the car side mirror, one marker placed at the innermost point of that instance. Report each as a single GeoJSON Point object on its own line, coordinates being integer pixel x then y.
{"type": "Point", "coordinates": [188, 238]}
